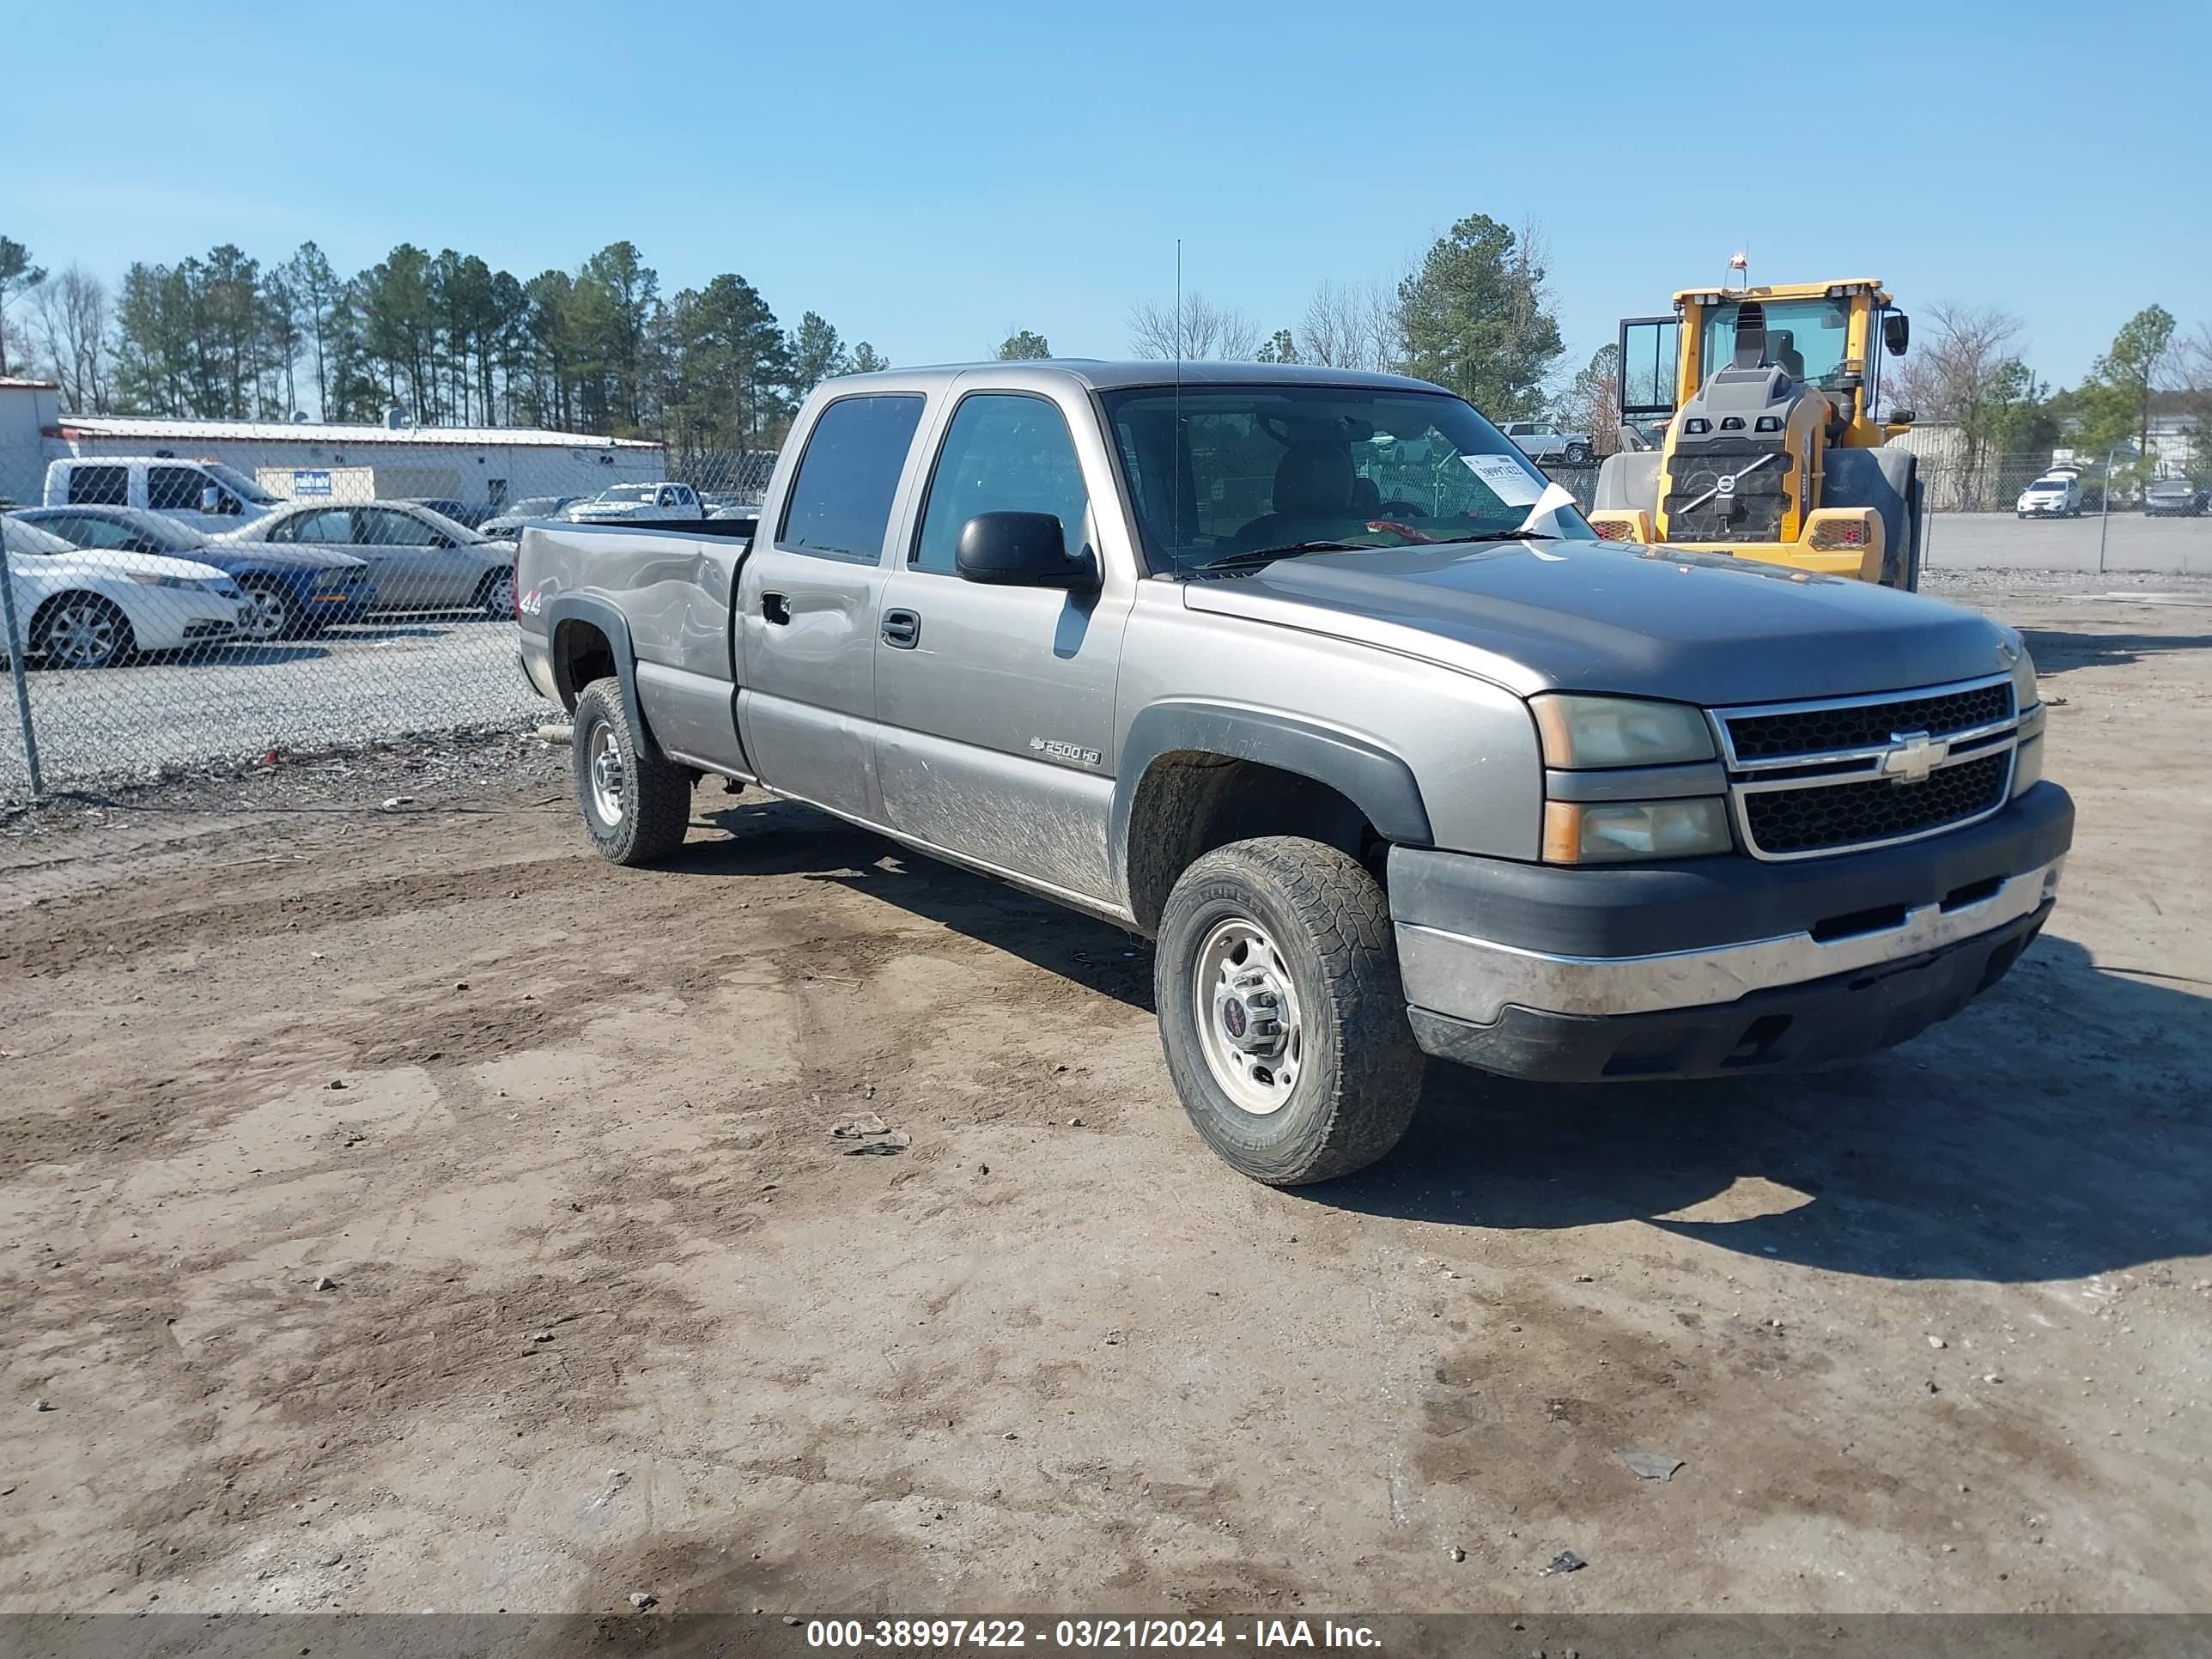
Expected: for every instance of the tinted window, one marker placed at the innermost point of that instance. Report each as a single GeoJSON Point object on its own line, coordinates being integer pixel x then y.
{"type": "Point", "coordinates": [841, 502]}
{"type": "Point", "coordinates": [174, 489]}
{"type": "Point", "coordinates": [1002, 454]}
{"type": "Point", "coordinates": [331, 525]}
{"type": "Point", "coordinates": [93, 532]}
{"type": "Point", "coordinates": [382, 527]}
{"type": "Point", "coordinates": [99, 486]}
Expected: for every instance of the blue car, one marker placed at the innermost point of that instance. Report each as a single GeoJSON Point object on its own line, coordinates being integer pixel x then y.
{"type": "Point", "coordinates": [292, 592]}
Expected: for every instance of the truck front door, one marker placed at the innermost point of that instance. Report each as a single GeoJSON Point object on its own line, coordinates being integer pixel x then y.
{"type": "Point", "coordinates": [807, 603]}
{"type": "Point", "coordinates": [994, 705]}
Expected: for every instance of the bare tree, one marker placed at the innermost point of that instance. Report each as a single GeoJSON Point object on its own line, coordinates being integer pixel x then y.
{"type": "Point", "coordinates": [1530, 311]}
{"type": "Point", "coordinates": [69, 325]}
{"type": "Point", "coordinates": [1203, 331]}
{"type": "Point", "coordinates": [1351, 325]}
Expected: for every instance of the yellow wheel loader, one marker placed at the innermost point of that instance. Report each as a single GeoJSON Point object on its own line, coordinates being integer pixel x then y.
{"type": "Point", "coordinates": [1756, 410]}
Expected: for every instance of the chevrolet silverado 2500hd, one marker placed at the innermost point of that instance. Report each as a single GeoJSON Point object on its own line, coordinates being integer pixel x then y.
{"type": "Point", "coordinates": [1309, 676]}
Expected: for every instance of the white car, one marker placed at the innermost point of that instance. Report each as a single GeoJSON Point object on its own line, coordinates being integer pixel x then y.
{"type": "Point", "coordinates": [84, 609]}
{"type": "Point", "coordinates": [647, 501]}
{"type": "Point", "coordinates": [2054, 496]}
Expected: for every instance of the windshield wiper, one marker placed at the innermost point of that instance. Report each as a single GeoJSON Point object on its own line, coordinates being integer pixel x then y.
{"type": "Point", "coordinates": [1266, 555]}
{"type": "Point", "coordinates": [1510, 536]}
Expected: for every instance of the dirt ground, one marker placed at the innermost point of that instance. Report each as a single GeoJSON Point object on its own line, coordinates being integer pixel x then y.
{"type": "Point", "coordinates": [401, 1209]}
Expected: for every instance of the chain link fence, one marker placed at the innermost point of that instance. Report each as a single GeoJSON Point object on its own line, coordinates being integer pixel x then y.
{"type": "Point", "coordinates": [174, 612]}
{"type": "Point", "coordinates": [199, 608]}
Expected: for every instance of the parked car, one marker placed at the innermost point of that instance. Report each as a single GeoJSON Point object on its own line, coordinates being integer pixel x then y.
{"type": "Point", "coordinates": [205, 495]}
{"type": "Point", "coordinates": [648, 500]}
{"type": "Point", "coordinates": [291, 592]}
{"type": "Point", "coordinates": [1438, 773]}
{"type": "Point", "coordinates": [2054, 496]}
{"type": "Point", "coordinates": [80, 610]}
{"type": "Point", "coordinates": [1544, 441]}
{"type": "Point", "coordinates": [2172, 498]}
{"type": "Point", "coordinates": [506, 525]}
{"type": "Point", "coordinates": [471, 514]}
{"type": "Point", "coordinates": [419, 560]}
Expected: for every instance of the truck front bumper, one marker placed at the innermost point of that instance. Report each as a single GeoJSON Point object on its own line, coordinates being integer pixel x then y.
{"type": "Point", "coordinates": [1708, 967]}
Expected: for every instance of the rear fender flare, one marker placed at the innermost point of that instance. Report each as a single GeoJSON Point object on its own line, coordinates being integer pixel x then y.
{"type": "Point", "coordinates": [610, 622]}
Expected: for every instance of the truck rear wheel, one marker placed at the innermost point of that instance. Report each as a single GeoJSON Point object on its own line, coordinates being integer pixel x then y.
{"type": "Point", "coordinates": [637, 807]}
{"type": "Point", "coordinates": [1281, 1012]}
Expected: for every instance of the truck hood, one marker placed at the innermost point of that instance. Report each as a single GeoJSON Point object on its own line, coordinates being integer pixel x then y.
{"type": "Point", "coordinates": [1605, 617]}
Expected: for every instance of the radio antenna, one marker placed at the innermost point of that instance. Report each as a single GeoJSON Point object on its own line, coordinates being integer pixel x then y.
{"type": "Point", "coordinates": [1174, 437]}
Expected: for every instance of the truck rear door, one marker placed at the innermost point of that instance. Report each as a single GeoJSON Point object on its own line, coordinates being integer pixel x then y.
{"type": "Point", "coordinates": [994, 705]}
{"type": "Point", "coordinates": [807, 599]}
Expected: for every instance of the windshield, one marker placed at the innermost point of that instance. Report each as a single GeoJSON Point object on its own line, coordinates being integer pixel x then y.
{"type": "Point", "coordinates": [165, 533]}
{"type": "Point", "coordinates": [20, 538]}
{"type": "Point", "coordinates": [1248, 468]}
{"type": "Point", "coordinates": [1806, 340]}
{"type": "Point", "coordinates": [628, 492]}
{"type": "Point", "coordinates": [239, 485]}
{"type": "Point", "coordinates": [2048, 486]}
{"type": "Point", "coordinates": [452, 528]}
{"type": "Point", "coordinates": [536, 507]}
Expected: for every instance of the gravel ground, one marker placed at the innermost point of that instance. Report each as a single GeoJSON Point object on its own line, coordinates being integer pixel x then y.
{"type": "Point", "coordinates": [399, 1208]}
{"type": "Point", "coordinates": [353, 686]}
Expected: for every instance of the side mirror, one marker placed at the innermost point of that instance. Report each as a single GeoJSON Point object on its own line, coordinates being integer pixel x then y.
{"type": "Point", "coordinates": [1896, 332]}
{"type": "Point", "coordinates": [210, 500]}
{"type": "Point", "coordinates": [1021, 550]}
{"type": "Point", "coordinates": [1903, 416]}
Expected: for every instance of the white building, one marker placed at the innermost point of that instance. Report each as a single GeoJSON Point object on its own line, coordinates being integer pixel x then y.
{"type": "Point", "coordinates": [27, 408]}
{"type": "Point", "coordinates": [471, 465]}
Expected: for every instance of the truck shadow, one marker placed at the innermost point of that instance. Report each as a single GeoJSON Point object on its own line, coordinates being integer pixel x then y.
{"type": "Point", "coordinates": [2060, 1127]}
{"type": "Point", "coordinates": [2056, 650]}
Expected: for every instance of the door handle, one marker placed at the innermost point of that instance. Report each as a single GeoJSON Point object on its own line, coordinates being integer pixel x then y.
{"type": "Point", "coordinates": [776, 608]}
{"type": "Point", "coordinates": [902, 628]}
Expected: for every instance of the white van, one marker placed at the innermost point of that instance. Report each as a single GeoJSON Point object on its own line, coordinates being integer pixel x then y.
{"type": "Point", "coordinates": [205, 495]}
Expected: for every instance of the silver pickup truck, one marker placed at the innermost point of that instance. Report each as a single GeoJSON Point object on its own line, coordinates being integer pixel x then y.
{"type": "Point", "coordinates": [1309, 676]}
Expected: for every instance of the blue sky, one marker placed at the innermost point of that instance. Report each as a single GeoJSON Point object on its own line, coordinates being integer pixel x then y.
{"type": "Point", "coordinates": [929, 176]}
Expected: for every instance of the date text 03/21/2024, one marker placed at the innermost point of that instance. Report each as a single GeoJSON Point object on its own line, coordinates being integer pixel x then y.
{"type": "Point", "coordinates": [1088, 1633]}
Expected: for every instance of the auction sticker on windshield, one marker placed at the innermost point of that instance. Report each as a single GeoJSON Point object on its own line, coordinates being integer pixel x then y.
{"type": "Point", "coordinates": [1508, 479]}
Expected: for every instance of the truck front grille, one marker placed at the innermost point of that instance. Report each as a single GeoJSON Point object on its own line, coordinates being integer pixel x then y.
{"type": "Point", "coordinates": [1832, 817]}
{"type": "Point", "coordinates": [1858, 726]}
{"type": "Point", "coordinates": [1811, 779]}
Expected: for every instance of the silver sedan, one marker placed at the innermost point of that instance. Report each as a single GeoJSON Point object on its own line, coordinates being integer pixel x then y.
{"type": "Point", "coordinates": [420, 559]}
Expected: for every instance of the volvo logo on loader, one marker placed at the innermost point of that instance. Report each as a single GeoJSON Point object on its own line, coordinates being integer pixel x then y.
{"type": "Point", "coordinates": [1912, 755]}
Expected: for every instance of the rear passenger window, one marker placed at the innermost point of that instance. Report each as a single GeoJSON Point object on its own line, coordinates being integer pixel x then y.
{"type": "Point", "coordinates": [99, 486]}
{"type": "Point", "coordinates": [174, 489]}
{"type": "Point", "coordinates": [841, 502]}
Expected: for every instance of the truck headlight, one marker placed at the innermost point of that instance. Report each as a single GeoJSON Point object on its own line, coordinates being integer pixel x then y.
{"type": "Point", "coordinates": [2024, 695]}
{"type": "Point", "coordinates": [1581, 732]}
{"type": "Point", "coordinates": [1616, 831]}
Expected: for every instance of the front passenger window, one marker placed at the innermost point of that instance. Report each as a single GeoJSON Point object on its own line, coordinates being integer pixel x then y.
{"type": "Point", "coordinates": [1004, 453]}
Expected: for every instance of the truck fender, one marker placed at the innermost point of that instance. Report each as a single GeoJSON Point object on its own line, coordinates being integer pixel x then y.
{"type": "Point", "coordinates": [604, 617]}
{"type": "Point", "coordinates": [1379, 783]}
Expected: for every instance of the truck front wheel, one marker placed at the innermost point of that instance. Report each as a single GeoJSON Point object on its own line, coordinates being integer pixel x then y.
{"type": "Point", "coordinates": [635, 806]}
{"type": "Point", "coordinates": [1281, 1012]}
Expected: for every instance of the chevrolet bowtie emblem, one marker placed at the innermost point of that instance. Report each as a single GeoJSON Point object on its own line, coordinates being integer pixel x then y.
{"type": "Point", "coordinates": [1912, 755]}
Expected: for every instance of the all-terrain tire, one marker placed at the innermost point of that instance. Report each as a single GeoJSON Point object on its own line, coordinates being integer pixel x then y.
{"type": "Point", "coordinates": [636, 807]}
{"type": "Point", "coordinates": [1358, 1073]}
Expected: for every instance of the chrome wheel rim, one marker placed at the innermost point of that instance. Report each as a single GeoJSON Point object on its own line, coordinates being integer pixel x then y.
{"type": "Point", "coordinates": [606, 771]}
{"type": "Point", "coordinates": [267, 615]}
{"type": "Point", "coordinates": [499, 597]}
{"type": "Point", "coordinates": [82, 636]}
{"type": "Point", "coordinates": [1249, 1023]}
